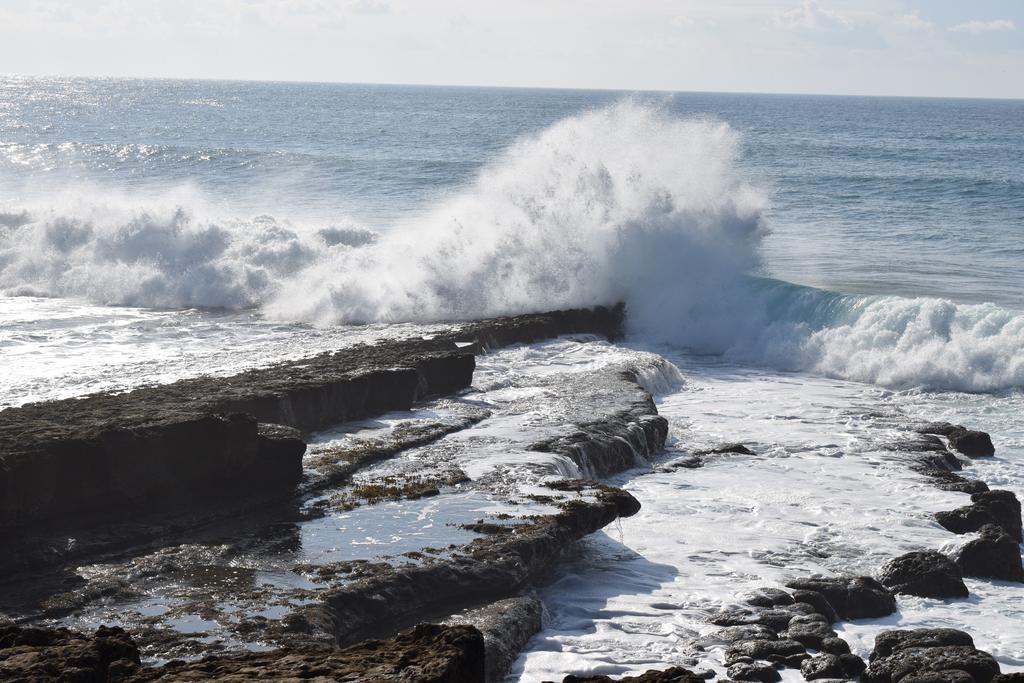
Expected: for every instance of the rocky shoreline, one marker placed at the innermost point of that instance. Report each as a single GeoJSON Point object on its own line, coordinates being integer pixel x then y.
{"type": "Point", "coordinates": [156, 468]}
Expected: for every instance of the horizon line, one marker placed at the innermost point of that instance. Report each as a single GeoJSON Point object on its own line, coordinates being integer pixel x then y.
{"type": "Point", "coordinates": [210, 79]}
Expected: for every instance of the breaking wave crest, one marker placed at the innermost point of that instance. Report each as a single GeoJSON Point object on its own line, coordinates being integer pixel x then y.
{"type": "Point", "coordinates": [163, 254]}
{"type": "Point", "coordinates": [624, 203]}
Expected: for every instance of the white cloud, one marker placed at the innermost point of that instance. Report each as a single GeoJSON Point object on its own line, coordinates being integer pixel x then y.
{"type": "Point", "coordinates": [976, 27]}
{"type": "Point", "coordinates": [912, 22]}
{"type": "Point", "coordinates": [811, 15]}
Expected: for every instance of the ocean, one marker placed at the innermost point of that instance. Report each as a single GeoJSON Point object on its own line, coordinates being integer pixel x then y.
{"type": "Point", "coordinates": [817, 268]}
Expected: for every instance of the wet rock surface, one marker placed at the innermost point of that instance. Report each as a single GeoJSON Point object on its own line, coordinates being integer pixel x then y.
{"type": "Point", "coordinates": [1000, 508]}
{"type": "Point", "coordinates": [927, 574]}
{"type": "Point", "coordinates": [907, 655]}
{"type": "Point", "coordinates": [851, 597]}
{"type": "Point", "coordinates": [491, 567]}
{"type": "Point", "coordinates": [59, 654]}
{"type": "Point", "coordinates": [994, 554]}
{"type": "Point", "coordinates": [198, 438]}
{"type": "Point", "coordinates": [972, 443]}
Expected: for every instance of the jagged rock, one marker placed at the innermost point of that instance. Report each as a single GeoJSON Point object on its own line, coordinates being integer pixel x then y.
{"type": "Point", "coordinates": [765, 673]}
{"type": "Point", "coordinates": [819, 602]}
{"type": "Point", "coordinates": [927, 574]}
{"type": "Point", "coordinates": [1009, 678]}
{"type": "Point", "coordinates": [770, 597]}
{"type": "Point", "coordinates": [38, 654]}
{"type": "Point", "coordinates": [989, 507]}
{"type": "Point", "coordinates": [901, 654]}
{"type": "Point", "coordinates": [851, 597]}
{"type": "Point", "coordinates": [993, 555]}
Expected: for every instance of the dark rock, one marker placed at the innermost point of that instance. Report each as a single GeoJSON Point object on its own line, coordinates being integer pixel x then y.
{"type": "Point", "coordinates": [993, 555]}
{"type": "Point", "coordinates": [989, 507]}
{"type": "Point", "coordinates": [198, 441]}
{"type": "Point", "coordinates": [920, 443]}
{"type": "Point", "coordinates": [948, 676]}
{"type": "Point", "coordinates": [736, 448]}
{"type": "Point", "coordinates": [819, 602]}
{"type": "Point", "coordinates": [59, 654]}
{"type": "Point", "coordinates": [810, 630]}
{"type": "Point", "coordinates": [1004, 507]}
{"type": "Point", "coordinates": [687, 463]}
{"type": "Point", "coordinates": [491, 568]}
{"type": "Point", "coordinates": [972, 444]}
{"type": "Point", "coordinates": [853, 665]}
{"type": "Point", "coordinates": [1009, 678]}
{"type": "Point", "coordinates": [948, 481]}
{"type": "Point", "coordinates": [506, 626]}
{"type": "Point", "coordinates": [927, 574]}
{"type": "Point", "coordinates": [769, 597]}
{"type": "Point", "coordinates": [851, 597]}
{"type": "Point", "coordinates": [428, 653]}
{"type": "Point", "coordinates": [765, 673]}
{"type": "Point", "coordinates": [732, 634]}
{"type": "Point", "coordinates": [835, 646]}
{"type": "Point", "coordinates": [916, 660]}
{"type": "Point", "coordinates": [923, 653]}
{"type": "Point", "coordinates": [763, 649]}
{"type": "Point", "coordinates": [822, 666]}
{"type": "Point", "coordinates": [888, 642]}
{"type": "Point", "coordinates": [941, 428]}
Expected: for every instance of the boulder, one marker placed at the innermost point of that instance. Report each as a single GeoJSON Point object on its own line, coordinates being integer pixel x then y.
{"type": "Point", "coordinates": [994, 554]}
{"type": "Point", "coordinates": [927, 574]}
{"type": "Point", "coordinates": [756, 671]}
{"type": "Point", "coordinates": [888, 642]}
{"type": "Point", "coordinates": [917, 660]}
{"type": "Point", "coordinates": [810, 630]}
{"type": "Point", "coordinates": [941, 655]}
{"type": "Point", "coordinates": [972, 444]}
{"type": "Point", "coordinates": [852, 597]}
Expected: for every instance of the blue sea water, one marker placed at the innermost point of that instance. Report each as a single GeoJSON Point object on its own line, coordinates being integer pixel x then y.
{"type": "Point", "coordinates": [918, 197]}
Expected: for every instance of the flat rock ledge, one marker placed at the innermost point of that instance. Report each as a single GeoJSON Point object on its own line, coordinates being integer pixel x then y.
{"type": "Point", "coordinates": [488, 569]}
{"type": "Point", "coordinates": [427, 653]}
{"type": "Point", "coordinates": [205, 439]}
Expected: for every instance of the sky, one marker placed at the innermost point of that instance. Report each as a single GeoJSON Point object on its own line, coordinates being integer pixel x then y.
{"type": "Point", "coordinates": [950, 48]}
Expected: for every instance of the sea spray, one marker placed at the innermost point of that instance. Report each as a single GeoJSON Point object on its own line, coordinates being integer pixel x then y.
{"type": "Point", "coordinates": [609, 205]}
{"type": "Point", "coordinates": [622, 203]}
